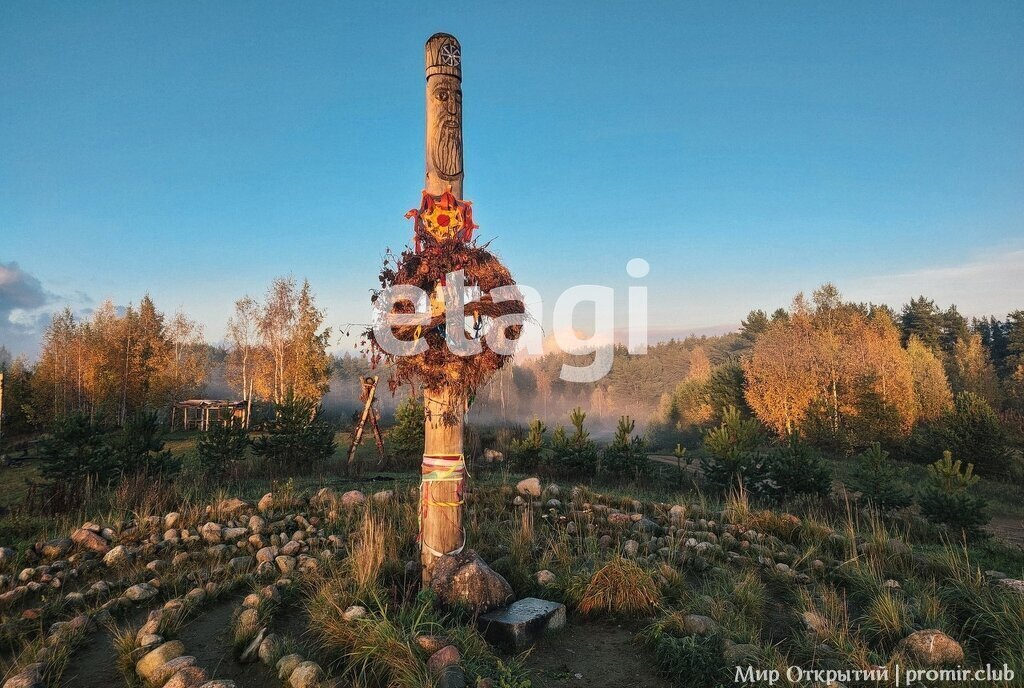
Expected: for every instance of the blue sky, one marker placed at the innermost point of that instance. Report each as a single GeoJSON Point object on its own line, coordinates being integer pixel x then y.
{"type": "Point", "coordinates": [746, 150]}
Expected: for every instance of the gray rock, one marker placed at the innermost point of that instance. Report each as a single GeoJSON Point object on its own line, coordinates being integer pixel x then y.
{"type": "Point", "coordinates": [465, 579]}
{"type": "Point", "coordinates": [140, 592]}
{"type": "Point", "coordinates": [354, 612]}
{"type": "Point", "coordinates": [117, 557]}
{"type": "Point", "coordinates": [545, 578]}
{"type": "Point", "coordinates": [518, 626]}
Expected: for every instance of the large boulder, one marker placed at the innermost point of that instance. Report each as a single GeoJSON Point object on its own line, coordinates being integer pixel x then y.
{"type": "Point", "coordinates": [465, 579]}
{"type": "Point", "coordinates": [932, 647]}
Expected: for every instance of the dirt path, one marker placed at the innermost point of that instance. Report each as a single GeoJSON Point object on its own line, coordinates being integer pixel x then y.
{"type": "Point", "coordinates": [1008, 529]}
{"type": "Point", "coordinates": [208, 638]}
{"type": "Point", "coordinates": [595, 655]}
{"type": "Point", "coordinates": [94, 664]}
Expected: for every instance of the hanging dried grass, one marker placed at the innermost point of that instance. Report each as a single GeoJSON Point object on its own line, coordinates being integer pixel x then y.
{"type": "Point", "coordinates": [438, 368]}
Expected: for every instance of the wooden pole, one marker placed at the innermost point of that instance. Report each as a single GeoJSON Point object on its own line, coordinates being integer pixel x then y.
{"type": "Point", "coordinates": [369, 385]}
{"type": "Point", "coordinates": [442, 471]}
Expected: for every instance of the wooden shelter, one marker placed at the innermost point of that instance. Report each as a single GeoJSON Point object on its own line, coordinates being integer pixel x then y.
{"type": "Point", "coordinates": [200, 414]}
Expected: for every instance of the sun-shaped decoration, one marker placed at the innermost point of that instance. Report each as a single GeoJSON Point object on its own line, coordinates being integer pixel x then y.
{"type": "Point", "coordinates": [440, 218]}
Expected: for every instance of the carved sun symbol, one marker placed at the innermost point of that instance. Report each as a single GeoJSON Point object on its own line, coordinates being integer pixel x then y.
{"type": "Point", "coordinates": [450, 55]}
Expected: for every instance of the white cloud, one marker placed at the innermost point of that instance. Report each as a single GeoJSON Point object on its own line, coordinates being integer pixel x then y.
{"type": "Point", "coordinates": [991, 284]}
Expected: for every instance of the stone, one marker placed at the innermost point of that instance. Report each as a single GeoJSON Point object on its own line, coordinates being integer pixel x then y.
{"type": "Point", "coordinates": [189, 677]}
{"type": "Point", "coordinates": [529, 487]}
{"type": "Point", "coordinates": [1012, 584]}
{"type": "Point", "coordinates": [148, 641]}
{"type": "Point", "coordinates": [248, 621]}
{"type": "Point", "coordinates": [140, 592]}
{"type": "Point", "coordinates": [257, 524]}
{"type": "Point", "coordinates": [465, 579]}
{"type": "Point", "coordinates": [286, 665]}
{"type": "Point", "coordinates": [630, 548]}
{"type": "Point", "coordinates": [383, 497]}
{"type": "Point", "coordinates": [266, 502]}
{"type": "Point", "coordinates": [306, 675]}
{"type": "Point", "coordinates": [91, 541]}
{"type": "Point", "coordinates": [932, 647]}
{"type": "Point", "coordinates": [211, 533]}
{"type": "Point", "coordinates": [354, 612]}
{"type": "Point", "coordinates": [696, 624]}
{"type": "Point", "coordinates": [172, 520]}
{"type": "Point", "coordinates": [219, 683]}
{"type": "Point", "coordinates": [492, 455]}
{"type": "Point", "coordinates": [353, 498]}
{"type": "Point", "coordinates": [270, 649]}
{"type": "Point", "coordinates": [291, 548]}
{"type": "Point", "coordinates": [7, 556]}
{"type": "Point", "coordinates": [117, 557]}
{"type": "Point", "coordinates": [519, 625]}
{"type": "Point", "coordinates": [164, 673]}
{"type": "Point", "coordinates": [447, 656]}
{"type": "Point", "coordinates": [452, 677]}
{"type": "Point", "coordinates": [148, 666]}
{"type": "Point", "coordinates": [545, 578]}
{"type": "Point", "coordinates": [266, 554]}
{"type": "Point", "coordinates": [285, 564]}
{"type": "Point", "coordinates": [29, 677]}
{"type": "Point", "coordinates": [233, 534]}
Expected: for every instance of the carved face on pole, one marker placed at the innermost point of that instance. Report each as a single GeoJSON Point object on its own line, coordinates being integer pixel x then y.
{"type": "Point", "coordinates": [445, 124]}
{"type": "Point", "coordinates": [444, 114]}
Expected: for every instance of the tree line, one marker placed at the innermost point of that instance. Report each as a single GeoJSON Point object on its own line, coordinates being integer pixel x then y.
{"type": "Point", "coordinates": [117, 362]}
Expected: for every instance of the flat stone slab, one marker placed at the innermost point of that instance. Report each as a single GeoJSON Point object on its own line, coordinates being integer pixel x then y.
{"type": "Point", "coordinates": [520, 624]}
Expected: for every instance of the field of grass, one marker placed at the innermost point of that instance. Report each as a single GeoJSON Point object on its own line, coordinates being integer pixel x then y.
{"type": "Point", "coordinates": [707, 583]}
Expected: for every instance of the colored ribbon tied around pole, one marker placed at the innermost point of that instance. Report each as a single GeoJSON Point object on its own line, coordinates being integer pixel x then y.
{"type": "Point", "coordinates": [442, 468]}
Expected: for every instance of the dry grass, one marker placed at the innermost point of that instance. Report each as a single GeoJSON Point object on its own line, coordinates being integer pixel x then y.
{"type": "Point", "coordinates": [375, 543]}
{"type": "Point", "coordinates": [620, 587]}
